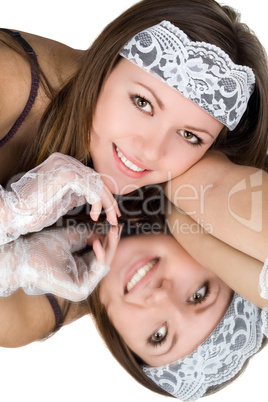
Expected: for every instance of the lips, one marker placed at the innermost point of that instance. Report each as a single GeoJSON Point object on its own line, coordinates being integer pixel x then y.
{"type": "Point", "coordinates": [128, 165]}
{"type": "Point", "coordinates": [140, 273]}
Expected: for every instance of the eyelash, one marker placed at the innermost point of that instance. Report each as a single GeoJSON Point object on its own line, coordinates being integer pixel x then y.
{"type": "Point", "coordinates": [154, 343]}
{"type": "Point", "coordinates": [134, 99]}
{"type": "Point", "coordinates": [208, 290]}
{"type": "Point", "coordinates": [159, 343]}
{"type": "Point", "coordinates": [193, 144]}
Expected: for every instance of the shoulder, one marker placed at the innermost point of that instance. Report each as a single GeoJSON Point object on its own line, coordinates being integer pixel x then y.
{"type": "Point", "coordinates": [15, 79]}
{"type": "Point", "coordinates": [25, 319]}
{"type": "Point", "coordinates": [57, 61]}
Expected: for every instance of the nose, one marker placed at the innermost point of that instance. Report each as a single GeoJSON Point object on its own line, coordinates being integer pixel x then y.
{"type": "Point", "coordinates": [152, 143]}
{"type": "Point", "coordinates": [160, 295]}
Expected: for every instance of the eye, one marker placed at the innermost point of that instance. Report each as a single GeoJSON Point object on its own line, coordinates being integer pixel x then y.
{"type": "Point", "coordinates": [159, 336]}
{"type": "Point", "coordinates": [142, 104]}
{"type": "Point", "coordinates": [200, 295]}
{"type": "Point", "coordinates": [190, 137]}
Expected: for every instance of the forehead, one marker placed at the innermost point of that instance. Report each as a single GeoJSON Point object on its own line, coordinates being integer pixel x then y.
{"type": "Point", "coordinates": [126, 74]}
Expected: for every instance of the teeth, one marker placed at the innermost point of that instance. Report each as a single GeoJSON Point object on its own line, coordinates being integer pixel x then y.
{"type": "Point", "coordinates": [127, 163]}
{"type": "Point", "coordinates": [140, 274]}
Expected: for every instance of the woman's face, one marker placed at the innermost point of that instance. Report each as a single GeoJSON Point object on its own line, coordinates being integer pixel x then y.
{"type": "Point", "coordinates": [172, 304]}
{"type": "Point", "coordinates": [145, 132]}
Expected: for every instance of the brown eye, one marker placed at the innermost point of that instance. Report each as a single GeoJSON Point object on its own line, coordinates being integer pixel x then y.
{"type": "Point", "coordinates": [159, 335]}
{"type": "Point", "coordinates": [188, 136]}
{"type": "Point", "coordinates": [200, 295]}
{"type": "Point", "coordinates": [141, 102]}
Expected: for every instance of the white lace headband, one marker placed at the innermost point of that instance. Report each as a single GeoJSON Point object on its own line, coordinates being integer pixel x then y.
{"type": "Point", "coordinates": [200, 71]}
{"type": "Point", "coordinates": [237, 337]}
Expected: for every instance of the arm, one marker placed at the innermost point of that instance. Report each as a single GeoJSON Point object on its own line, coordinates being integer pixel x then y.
{"type": "Point", "coordinates": [237, 269]}
{"type": "Point", "coordinates": [56, 261]}
{"type": "Point", "coordinates": [229, 200]}
{"type": "Point", "coordinates": [26, 319]}
{"type": "Point", "coordinates": [48, 192]}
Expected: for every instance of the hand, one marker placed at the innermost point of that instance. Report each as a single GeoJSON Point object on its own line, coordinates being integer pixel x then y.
{"type": "Point", "coordinates": [48, 192]}
{"type": "Point", "coordinates": [110, 206]}
{"type": "Point", "coordinates": [53, 261]}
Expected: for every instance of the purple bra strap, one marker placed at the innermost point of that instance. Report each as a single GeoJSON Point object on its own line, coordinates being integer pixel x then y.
{"type": "Point", "coordinates": [56, 309]}
{"type": "Point", "coordinates": [34, 85]}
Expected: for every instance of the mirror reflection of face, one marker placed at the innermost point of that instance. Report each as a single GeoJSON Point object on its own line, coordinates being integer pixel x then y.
{"type": "Point", "coordinates": [162, 302]}
{"type": "Point", "coordinates": [145, 132]}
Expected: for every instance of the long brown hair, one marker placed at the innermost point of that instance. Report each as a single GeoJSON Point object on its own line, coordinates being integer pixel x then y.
{"type": "Point", "coordinates": [128, 359]}
{"type": "Point", "coordinates": [66, 124]}
{"type": "Point", "coordinates": [117, 346]}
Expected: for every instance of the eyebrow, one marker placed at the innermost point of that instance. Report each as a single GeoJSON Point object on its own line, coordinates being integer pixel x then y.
{"type": "Point", "coordinates": [158, 100]}
{"type": "Point", "coordinates": [162, 107]}
{"type": "Point", "coordinates": [200, 130]}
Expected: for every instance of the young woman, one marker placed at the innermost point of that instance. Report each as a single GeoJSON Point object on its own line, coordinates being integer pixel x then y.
{"type": "Point", "coordinates": [245, 144]}
{"type": "Point", "coordinates": [186, 309]}
{"type": "Point", "coordinates": [185, 322]}
{"type": "Point", "coordinates": [75, 111]}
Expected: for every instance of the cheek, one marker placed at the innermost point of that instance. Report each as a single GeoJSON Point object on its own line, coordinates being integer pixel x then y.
{"type": "Point", "coordinates": [131, 326]}
{"type": "Point", "coordinates": [181, 156]}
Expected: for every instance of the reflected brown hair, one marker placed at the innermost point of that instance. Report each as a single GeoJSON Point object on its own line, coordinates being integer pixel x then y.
{"type": "Point", "coordinates": [128, 359]}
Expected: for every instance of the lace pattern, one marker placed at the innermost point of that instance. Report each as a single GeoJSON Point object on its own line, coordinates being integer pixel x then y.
{"type": "Point", "coordinates": [263, 281]}
{"type": "Point", "coordinates": [46, 193]}
{"type": "Point", "coordinates": [48, 262]}
{"type": "Point", "coordinates": [200, 71]}
{"type": "Point", "coordinates": [218, 359]}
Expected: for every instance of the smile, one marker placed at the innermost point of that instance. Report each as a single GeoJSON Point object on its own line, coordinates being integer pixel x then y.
{"type": "Point", "coordinates": [127, 162]}
{"type": "Point", "coordinates": [140, 273]}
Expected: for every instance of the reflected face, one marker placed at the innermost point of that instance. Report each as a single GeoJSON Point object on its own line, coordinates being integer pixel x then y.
{"type": "Point", "coordinates": [145, 132]}
{"type": "Point", "coordinates": [162, 302]}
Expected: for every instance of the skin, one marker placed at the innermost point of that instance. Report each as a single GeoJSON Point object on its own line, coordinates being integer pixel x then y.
{"type": "Point", "coordinates": [153, 125]}
{"type": "Point", "coordinates": [240, 191]}
{"type": "Point", "coordinates": [58, 62]}
{"type": "Point", "coordinates": [147, 132]}
{"type": "Point", "coordinates": [163, 302]}
{"type": "Point", "coordinates": [241, 273]}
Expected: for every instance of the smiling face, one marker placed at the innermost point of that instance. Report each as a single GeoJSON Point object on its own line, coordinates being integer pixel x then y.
{"type": "Point", "coordinates": [160, 300]}
{"type": "Point", "coordinates": [145, 132]}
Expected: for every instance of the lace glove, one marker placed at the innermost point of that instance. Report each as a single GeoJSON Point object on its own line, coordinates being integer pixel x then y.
{"type": "Point", "coordinates": [263, 289]}
{"type": "Point", "coordinates": [48, 192]}
{"type": "Point", "coordinates": [47, 262]}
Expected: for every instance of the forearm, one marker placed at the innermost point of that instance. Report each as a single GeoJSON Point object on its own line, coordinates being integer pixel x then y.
{"type": "Point", "coordinates": [238, 270]}
{"type": "Point", "coordinates": [230, 201]}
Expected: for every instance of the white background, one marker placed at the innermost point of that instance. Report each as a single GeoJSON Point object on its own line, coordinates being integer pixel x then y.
{"type": "Point", "coordinates": [74, 365]}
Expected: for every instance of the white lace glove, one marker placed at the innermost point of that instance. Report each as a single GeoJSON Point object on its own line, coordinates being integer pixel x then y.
{"type": "Point", "coordinates": [48, 192]}
{"type": "Point", "coordinates": [263, 290]}
{"type": "Point", "coordinates": [47, 262]}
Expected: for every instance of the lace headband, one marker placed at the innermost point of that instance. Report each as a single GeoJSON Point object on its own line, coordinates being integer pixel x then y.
{"type": "Point", "coordinates": [237, 337]}
{"type": "Point", "coordinates": [200, 71]}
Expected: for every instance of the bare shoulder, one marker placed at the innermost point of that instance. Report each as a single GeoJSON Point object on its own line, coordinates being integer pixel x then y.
{"type": "Point", "coordinates": [56, 60]}
{"type": "Point", "coordinates": [25, 319]}
{"type": "Point", "coordinates": [15, 79]}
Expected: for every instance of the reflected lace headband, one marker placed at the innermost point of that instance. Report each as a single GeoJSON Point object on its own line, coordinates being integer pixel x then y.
{"type": "Point", "coordinates": [200, 71]}
{"type": "Point", "coordinates": [236, 338]}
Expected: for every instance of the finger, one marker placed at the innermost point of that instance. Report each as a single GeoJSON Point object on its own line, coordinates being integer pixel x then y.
{"type": "Point", "coordinates": [113, 239]}
{"type": "Point", "coordinates": [110, 207]}
{"type": "Point", "coordinates": [99, 251]}
{"type": "Point", "coordinates": [95, 211]}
